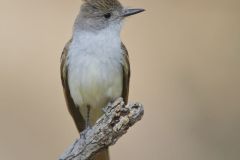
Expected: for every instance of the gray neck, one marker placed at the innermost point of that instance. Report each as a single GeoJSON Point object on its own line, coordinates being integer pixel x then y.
{"type": "Point", "coordinates": [81, 27]}
{"type": "Point", "coordinates": [84, 24]}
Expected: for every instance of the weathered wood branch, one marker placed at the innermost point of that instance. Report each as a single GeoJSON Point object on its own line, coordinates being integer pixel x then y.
{"type": "Point", "coordinates": [108, 129]}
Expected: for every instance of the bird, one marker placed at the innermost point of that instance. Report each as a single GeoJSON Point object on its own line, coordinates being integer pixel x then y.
{"type": "Point", "coordinates": [95, 68]}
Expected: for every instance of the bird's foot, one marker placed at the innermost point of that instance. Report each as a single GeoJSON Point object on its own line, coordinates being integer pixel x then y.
{"type": "Point", "coordinates": [83, 133]}
{"type": "Point", "coordinates": [113, 102]}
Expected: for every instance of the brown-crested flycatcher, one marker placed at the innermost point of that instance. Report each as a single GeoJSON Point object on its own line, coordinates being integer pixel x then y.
{"type": "Point", "coordinates": [94, 64]}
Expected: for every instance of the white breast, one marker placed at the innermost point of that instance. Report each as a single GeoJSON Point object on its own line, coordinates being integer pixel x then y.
{"type": "Point", "coordinates": [95, 72]}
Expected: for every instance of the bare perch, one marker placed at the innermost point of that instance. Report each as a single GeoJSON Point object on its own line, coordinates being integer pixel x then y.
{"type": "Point", "coordinates": [108, 129]}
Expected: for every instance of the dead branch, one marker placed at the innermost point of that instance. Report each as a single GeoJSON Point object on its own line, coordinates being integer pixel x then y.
{"type": "Point", "coordinates": [108, 129]}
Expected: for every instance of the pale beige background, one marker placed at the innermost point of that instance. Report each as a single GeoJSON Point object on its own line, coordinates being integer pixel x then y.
{"type": "Point", "coordinates": [185, 58]}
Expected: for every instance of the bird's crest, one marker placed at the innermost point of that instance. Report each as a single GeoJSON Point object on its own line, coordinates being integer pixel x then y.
{"type": "Point", "coordinates": [104, 5]}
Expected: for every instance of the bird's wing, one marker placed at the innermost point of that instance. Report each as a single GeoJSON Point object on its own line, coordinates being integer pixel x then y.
{"type": "Point", "coordinates": [126, 74]}
{"type": "Point", "coordinates": [72, 108]}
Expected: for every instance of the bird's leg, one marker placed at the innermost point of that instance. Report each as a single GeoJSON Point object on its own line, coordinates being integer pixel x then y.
{"type": "Point", "coordinates": [87, 122]}
{"type": "Point", "coordinates": [88, 117]}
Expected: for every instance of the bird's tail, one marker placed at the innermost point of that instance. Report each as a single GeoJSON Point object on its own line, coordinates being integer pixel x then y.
{"type": "Point", "coordinates": [102, 155]}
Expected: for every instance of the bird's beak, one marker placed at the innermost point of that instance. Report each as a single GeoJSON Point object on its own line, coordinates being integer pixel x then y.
{"type": "Point", "coordinates": [129, 12]}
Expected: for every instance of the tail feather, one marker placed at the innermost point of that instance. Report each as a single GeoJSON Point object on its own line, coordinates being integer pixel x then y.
{"type": "Point", "coordinates": [102, 155]}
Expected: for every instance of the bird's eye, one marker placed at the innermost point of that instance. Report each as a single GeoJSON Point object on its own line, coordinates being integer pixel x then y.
{"type": "Point", "coordinates": [107, 15]}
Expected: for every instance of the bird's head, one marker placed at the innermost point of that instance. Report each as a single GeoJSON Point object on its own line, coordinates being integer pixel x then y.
{"type": "Point", "coordinates": [99, 14]}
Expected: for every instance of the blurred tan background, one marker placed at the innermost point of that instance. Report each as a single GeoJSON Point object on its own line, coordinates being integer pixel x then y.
{"type": "Point", "coordinates": [185, 58]}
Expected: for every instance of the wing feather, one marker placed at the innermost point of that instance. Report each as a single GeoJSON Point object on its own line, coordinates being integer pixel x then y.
{"type": "Point", "coordinates": [126, 74]}
{"type": "Point", "coordinates": [72, 108]}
